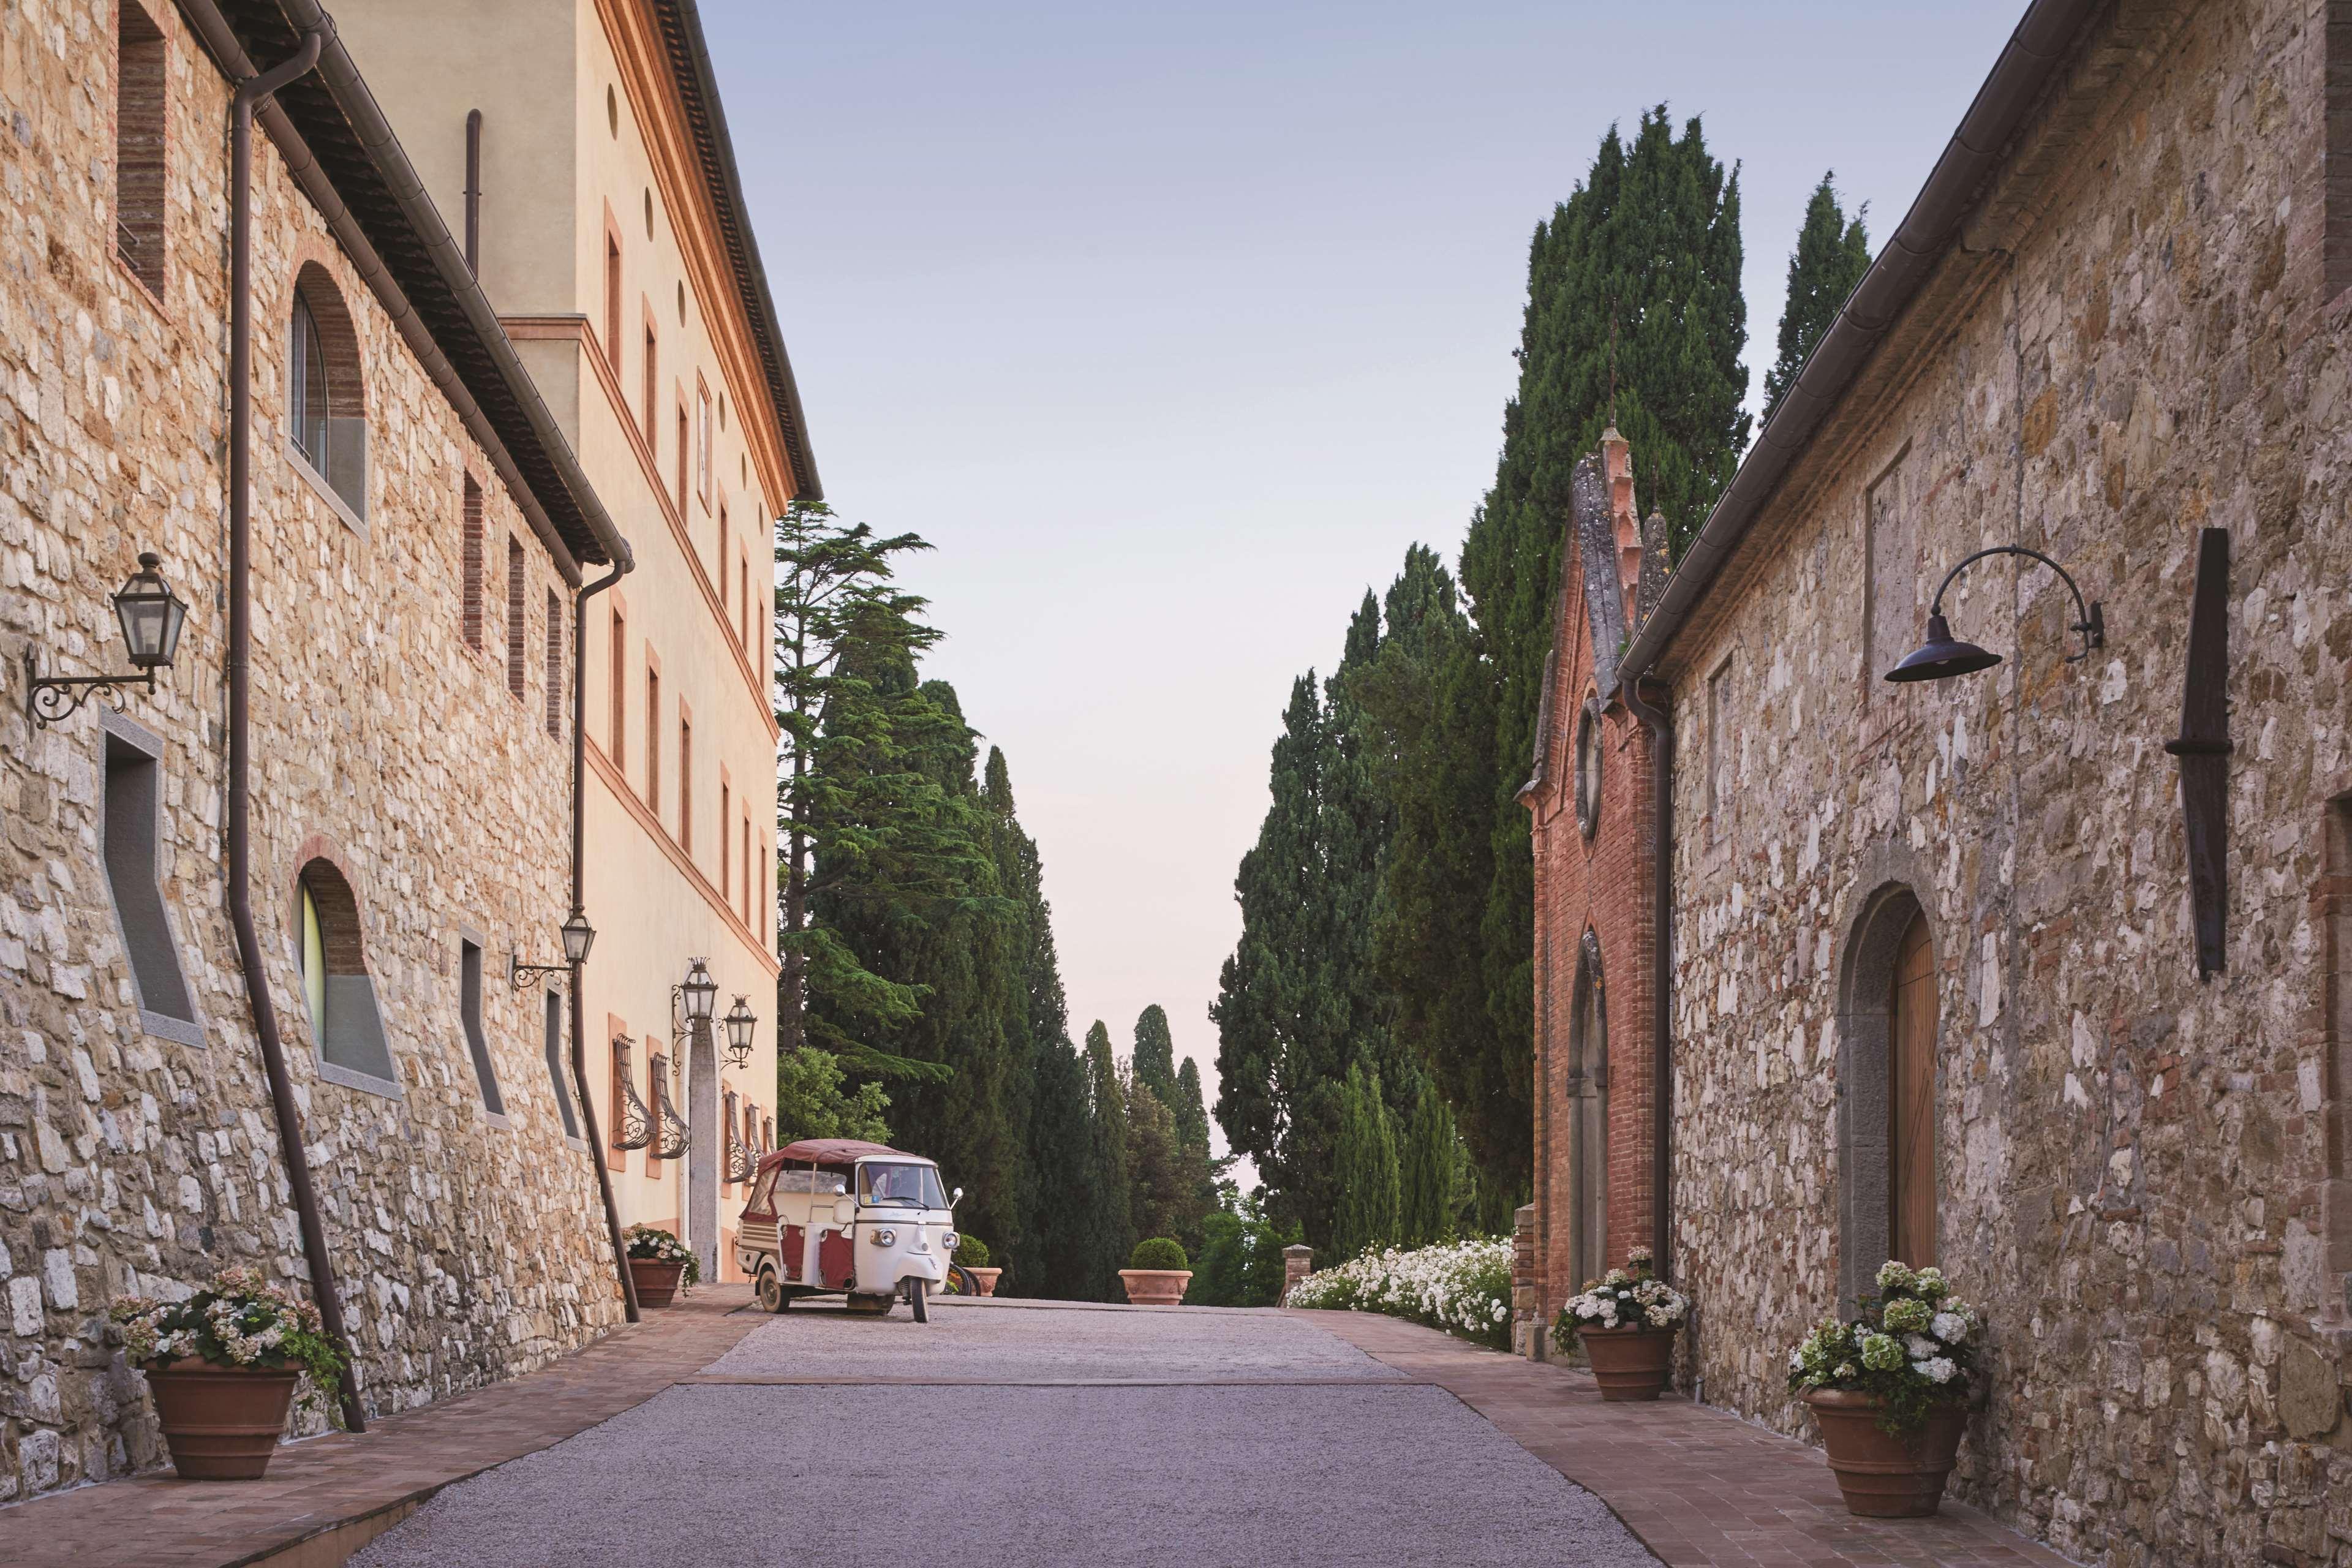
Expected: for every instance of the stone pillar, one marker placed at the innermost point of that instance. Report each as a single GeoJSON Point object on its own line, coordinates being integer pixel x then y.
{"type": "Point", "coordinates": [1297, 1263]}
{"type": "Point", "coordinates": [1526, 1306]}
{"type": "Point", "coordinates": [701, 1215]}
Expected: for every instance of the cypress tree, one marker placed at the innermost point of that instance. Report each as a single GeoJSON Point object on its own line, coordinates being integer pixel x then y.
{"type": "Point", "coordinates": [1056, 1257]}
{"type": "Point", "coordinates": [1425, 1190]}
{"type": "Point", "coordinates": [1108, 1188]}
{"type": "Point", "coordinates": [1155, 1054]}
{"type": "Point", "coordinates": [1366, 1161]}
{"type": "Point", "coordinates": [1832, 253]}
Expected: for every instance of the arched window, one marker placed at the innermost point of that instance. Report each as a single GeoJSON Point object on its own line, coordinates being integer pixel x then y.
{"type": "Point", "coordinates": [336, 989]}
{"type": "Point", "coordinates": [1587, 1099]}
{"type": "Point", "coordinates": [1888, 1188]}
{"type": "Point", "coordinates": [326, 412]}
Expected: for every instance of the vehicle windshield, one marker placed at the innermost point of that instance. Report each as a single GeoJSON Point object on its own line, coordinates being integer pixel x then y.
{"type": "Point", "coordinates": [902, 1185]}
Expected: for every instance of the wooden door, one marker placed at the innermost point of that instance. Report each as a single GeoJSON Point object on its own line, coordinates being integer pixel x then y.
{"type": "Point", "coordinates": [1911, 1101]}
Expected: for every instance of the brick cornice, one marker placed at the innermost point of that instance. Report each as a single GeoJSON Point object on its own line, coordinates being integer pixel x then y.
{"type": "Point", "coordinates": [601, 765]}
{"type": "Point", "coordinates": [578, 330]}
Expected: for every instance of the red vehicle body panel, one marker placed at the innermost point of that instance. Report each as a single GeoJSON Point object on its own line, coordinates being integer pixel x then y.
{"type": "Point", "coordinates": [833, 1265]}
{"type": "Point", "coordinates": [795, 1244]}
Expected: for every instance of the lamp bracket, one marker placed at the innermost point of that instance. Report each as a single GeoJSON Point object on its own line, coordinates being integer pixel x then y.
{"type": "Point", "coordinates": [525, 975]}
{"type": "Point", "coordinates": [46, 697]}
{"type": "Point", "coordinates": [2092, 625]}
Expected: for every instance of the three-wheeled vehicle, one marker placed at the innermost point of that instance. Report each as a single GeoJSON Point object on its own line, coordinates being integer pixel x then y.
{"type": "Point", "coordinates": [840, 1216]}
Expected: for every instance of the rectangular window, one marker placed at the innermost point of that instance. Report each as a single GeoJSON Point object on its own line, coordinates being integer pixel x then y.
{"type": "Point", "coordinates": [138, 183]}
{"type": "Point", "coordinates": [748, 880]}
{"type": "Point", "coordinates": [620, 662]}
{"type": "Point", "coordinates": [133, 817]}
{"type": "Point", "coordinates": [653, 740]}
{"type": "Point", "coordinates": [652, 384]}
{"type": "Point", "coordinates": [682, 445]}
{"type": "Point", "coordinates": [613, 300]}
{"type": "Point", "coordinates": [469, 607]}
{"type": "Point", "coordinates": [516, 630]}
{"type": "Point", "coordinates": [686, 785]}
{"type": "Point", "coordinates": [336, 987]}
{"type": "Point", "coordinates": [554, 663]}
{"type": "Point", "coordinates": [556, 1077]}
{"type": "Point", "coordinates": [719, 560]}
{"type": "Point", "coordinates": [743, 594]}
{"type": "Point", "coordinates": [727, 1121]}
{"type": "Point", "coordinates": [1890, 572]}
{"type": "Point", "coordinates": [1719, 747]}
{"type": "Point", "coordinates": [702, 443]}
{"type": "Point", "coordinates": [469, 1009]}
{"type": "Point", "coordinates": [657, 1097]}
{"type": "Point", "coordinates": [614, 1131]}
{"type": "Point", "coordinates": [725, 858]}
{"type": "Point", "coordinates": [2335, 157]}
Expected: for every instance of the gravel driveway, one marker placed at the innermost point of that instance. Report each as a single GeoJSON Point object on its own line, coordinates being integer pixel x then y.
{"type": "Point", "coordinates": [1027, 1436]}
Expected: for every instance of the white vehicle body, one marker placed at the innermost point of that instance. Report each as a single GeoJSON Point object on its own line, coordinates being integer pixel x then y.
{"type": "Point", "coordinates": [838, 1216]}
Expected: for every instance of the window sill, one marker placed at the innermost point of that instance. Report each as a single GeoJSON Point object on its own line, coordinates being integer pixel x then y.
{"type": "Point", "coordinates": [366, 1083]}
{"type": "Point", "coordinates": [163, 1027]}
{"type": "Point", "coordinates": [325, 491]}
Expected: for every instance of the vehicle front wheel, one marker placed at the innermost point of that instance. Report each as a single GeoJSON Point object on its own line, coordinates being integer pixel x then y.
{"type": "Point", "coordinates": [772, 1291]}
{"type": "Point", "coordinates": [918, 1298]}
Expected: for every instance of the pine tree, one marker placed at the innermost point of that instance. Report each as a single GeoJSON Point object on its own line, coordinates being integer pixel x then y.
{"type": "Point", "coordinates": [1365, 1168]}
{"type": "Point", "coordinates": [1106, 1189]}
{"type": "Point", "coordinates": [1425, 1190]}
{"type": "Point", "coordinates": [1832, 253]}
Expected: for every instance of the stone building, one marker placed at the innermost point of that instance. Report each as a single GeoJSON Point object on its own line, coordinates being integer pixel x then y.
{"type": "Point", "coordinates": [1950, 981]}
{"type": "Point", "coordinates": [419, 530]}
{"type": "Point", "coordinates": [587, 148]}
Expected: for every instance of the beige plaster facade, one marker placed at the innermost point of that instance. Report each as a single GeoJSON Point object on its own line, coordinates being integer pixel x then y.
{"type": "Point", "coordinates": [604, 244]}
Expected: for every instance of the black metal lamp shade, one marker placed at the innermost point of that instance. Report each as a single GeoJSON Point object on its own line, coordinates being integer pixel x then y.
{"type": "Point", "coordinates": [700, 990]}
{"type": "Point", "coordinates": [151, 615]}
{"type": "Point", "coordinates": [740, 1021]}
{"type": "Point", "coordinates": [1942, 655]}
{"type": "Point", "coordinates": [578, 936]}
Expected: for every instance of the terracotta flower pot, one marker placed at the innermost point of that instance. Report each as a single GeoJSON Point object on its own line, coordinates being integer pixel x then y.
{"type": "Point", "coordinates": [1886, 1474]}
{"type": "Point", "coordinates": [221, 1422]}
{"type": "Point", "coordinates": [1629, 1363]}
{"type": "Point", "coordinates": [657, 1281]}
{"type": "Point", "coordinates": [985, 1278]}
{"type": "Point", "coordinates": [1155, 1287]}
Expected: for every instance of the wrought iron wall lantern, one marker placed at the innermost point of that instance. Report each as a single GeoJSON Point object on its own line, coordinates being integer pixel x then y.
{"type": "Point", "coordinates": [578, 936]}
{"type": "Point", "coordinates": [632, 1123]}
{"type": "Point", "coordinates": [1943, 656]}
{"type": "Point", "coordinates": [151, 616]}
{"type": "Point", "coordinates": [741, 1023]}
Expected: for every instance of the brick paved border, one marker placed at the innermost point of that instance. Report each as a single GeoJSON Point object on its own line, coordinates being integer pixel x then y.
{"type": "Point", "coordinates": [1701, 1487]}
{"type": "Point", "coordinates": [325, 1499]}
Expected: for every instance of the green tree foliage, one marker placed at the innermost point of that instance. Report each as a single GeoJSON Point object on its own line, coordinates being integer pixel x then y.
{"type": "Point", "coordinates": [1109, 1181]}
{"type": "Point", "coordinates": [1155, 1054]}
{"type": "Point", "coordinates": [814, 1099]}
{"type": "Point", "coordinates": [1425, 1189]}
{"type": "Point", "coordinates": [1832, 253]}
{"type": "Point", "coordinates": [1368, 1177]}
{"type": "Point", "coordinates": [1240, 1260]}
{"type": "Point", "coordinates": [1058, 1256]}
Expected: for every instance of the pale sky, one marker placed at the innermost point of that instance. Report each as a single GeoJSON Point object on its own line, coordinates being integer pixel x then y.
{"type": "Point", "coordinates": [1171, 327]}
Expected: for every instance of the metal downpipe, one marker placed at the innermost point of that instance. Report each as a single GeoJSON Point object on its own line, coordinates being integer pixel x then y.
{"type": "Point", "coordinates": [579, 906]}
{"type": "Point", "coordinates": [249, 93]}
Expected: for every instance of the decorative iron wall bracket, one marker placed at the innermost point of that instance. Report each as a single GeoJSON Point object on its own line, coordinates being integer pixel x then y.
{"type": "Point", "coordinates": [525, 975]}
{"type": "Point", "coordinates": [50, 697]}
{"type": "Point", "coordinates": [2203, 747]}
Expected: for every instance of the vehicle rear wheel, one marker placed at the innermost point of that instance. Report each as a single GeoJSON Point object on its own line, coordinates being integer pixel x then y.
{"type": "Point", "coordinates": [919, 1297]}
{"type": "Point", "coordinates": [772, 1291]}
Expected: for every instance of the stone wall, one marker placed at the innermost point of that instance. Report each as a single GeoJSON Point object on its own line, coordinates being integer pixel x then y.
{"type": "Point", "coordinates": [468, 1247]}
{"type": "Point", "coordinates": [2132, 342]}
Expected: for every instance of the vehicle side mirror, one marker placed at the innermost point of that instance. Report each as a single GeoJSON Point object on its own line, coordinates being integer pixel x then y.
{"type": "Point", "coordinates": [845, 1211]}
{"type": "Point", "coordinates": [955, 1197]}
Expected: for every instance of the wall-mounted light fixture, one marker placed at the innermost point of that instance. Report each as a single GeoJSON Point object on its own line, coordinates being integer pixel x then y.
{"type": "Point", "coordinates": [578, 935]}
{"type": "Point", "coordinates": [151, 616]}
{"type": "Point", "coordinates": [740, 1021]}
{"type": "Point", "coordinates": [1943, 656]}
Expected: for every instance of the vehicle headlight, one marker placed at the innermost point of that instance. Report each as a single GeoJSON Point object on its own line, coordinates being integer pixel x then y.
{"type": "Point", "coordinates": [885, 1236]}
{"type": "Point", "coordinates": [950, 1240]}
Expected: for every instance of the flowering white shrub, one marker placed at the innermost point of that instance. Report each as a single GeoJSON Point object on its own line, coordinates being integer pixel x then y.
{"type": "Point", "coordinates": [1632, 1297]}
{"type": "Point", "coordinates": [1462, 1287]}
{"type": "Point", "coordinates": [652, 1244]}
{"type": "Point", "coordinates": [1913, 1346]}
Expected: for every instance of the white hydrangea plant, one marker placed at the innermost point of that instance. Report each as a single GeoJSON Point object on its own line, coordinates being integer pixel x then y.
{"type": "Point", "coordinates": [1632, 1297]}
{"type": "Point", "coordinates": [1913, 1346]}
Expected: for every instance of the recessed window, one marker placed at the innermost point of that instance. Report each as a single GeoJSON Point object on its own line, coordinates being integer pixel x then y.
{"type": "Point", "coordinates": [132, 823]}
{"type": "Point", "coordinates": [685, 785]}
{"type": "Point", "coordinates": [702, 443]}
{"type": "Point", "coordinates": [1588, 769]}
{"type": "Point", "coordinates": [684, 443]}
{"type": "Point", "coordinates": [649, 212]}
{"type": "Point", "coordinates": [470, 1014]}
{"type": "Point", "coordinates": [336, 987]}
{"type": "Point", "coordinates": [555, 1065]}
{"type": "Point", "coordinates": [613, 300]}
{"type": "Point", "coordinates": [554, 663]}
{"type": "Point", "coordinates": [139, 59]}
{"type": "Point", "coordinates": [721, 557]}
{"type": "Point", "coordinates": [470, 583]}
{"type": "Point", "coordinates": [681, 303]}
{"type": "Point", "coordinates": [726, 810]}
{"type": "Point", "coordinates": [653, 740]}
{"type": "Point", "coordinates": [613, 112]}
{"type": "Point", "coordinates": [326, 419]}
{"type": "Point", "coordinates": [517, 631]}
{"type": "Point", "coordinates": [620, 682]}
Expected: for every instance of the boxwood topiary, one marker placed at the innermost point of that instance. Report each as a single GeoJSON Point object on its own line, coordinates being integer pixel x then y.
{"type": "Point", "coordinates": [971, 1252]}
{"type": "Point", "coordinates": [1160, 1252]}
